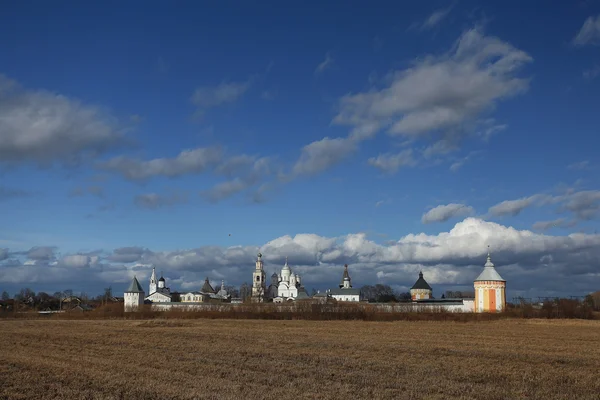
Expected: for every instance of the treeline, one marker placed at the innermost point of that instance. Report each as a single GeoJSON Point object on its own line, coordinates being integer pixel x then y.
{"type": "Point", "coordinates": [27, 299]}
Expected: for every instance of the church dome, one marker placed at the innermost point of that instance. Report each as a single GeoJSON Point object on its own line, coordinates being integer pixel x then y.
{"type": "Point", "coordinates": [161, 279]}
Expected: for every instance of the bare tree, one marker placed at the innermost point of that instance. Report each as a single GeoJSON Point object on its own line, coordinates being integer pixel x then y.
{"type": "Point", "coordinates": [5, 296]}
{"type": "Point", "coordinates": [245, 291]}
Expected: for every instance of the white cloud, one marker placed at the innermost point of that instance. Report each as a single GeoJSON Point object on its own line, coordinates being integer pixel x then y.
{"type": "Point", "coordinates": [514, 207]}
{"type": "Point", "coordinates": [191, 161]}
{"type": "Point", "coordinates": [458, 164]}
{"type": "Point", "coordinates": [253, 171]}
{"type": "Point", "coordinates": [589, 32]}
{"type": "Point", "coordinates": [524, 258]}
{"type": "Point", "coordinates": [443, 213]}
{"type": "Point", "coordinates": [43, 127]}
{"type": "Point", "coordinates": [325, 64]}
{"type": "Point", "coordinates": [390, 163]}
{"type": "Point", "coordinates": [322, 154]}
{"type": "Point", "coordinates": [557, 223]}
{"type": "Point", "coordinates": [583, 204]}
{"type": "Point", "coordinates": [440, 94]}
{"type": "Point", "coordinates": [435, 18]}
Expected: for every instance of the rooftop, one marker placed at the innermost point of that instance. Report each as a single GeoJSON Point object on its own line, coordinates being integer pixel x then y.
{"type": "Point", "coordinates": [421, 283]}
{"type": "Point", "coordinates": [134, 287]}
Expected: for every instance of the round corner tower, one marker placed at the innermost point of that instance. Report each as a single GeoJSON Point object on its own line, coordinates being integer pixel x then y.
{"type": "Point", "coordinates": [490, 289]}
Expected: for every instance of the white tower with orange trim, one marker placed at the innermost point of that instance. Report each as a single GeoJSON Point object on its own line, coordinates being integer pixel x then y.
{"type": "Point", "coordinates": [490, 289]}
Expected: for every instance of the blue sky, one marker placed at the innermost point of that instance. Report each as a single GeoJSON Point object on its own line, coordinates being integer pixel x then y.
{"type": "Point", "coordinates": [165, 129]}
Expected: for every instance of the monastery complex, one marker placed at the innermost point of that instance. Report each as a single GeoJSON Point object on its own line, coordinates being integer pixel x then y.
{"type": "Point", "coordinates": [286, 286]}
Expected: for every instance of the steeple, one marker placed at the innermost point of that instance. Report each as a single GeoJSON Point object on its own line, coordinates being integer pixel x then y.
{"type": "Point", "coordinates": [153, 281]}
{"type": "Point", "coordinates": [489, 273]}
{"type": "Point", "coordinates": [259, 261]}
{"type": "Point", "coordinates": [346, 281]}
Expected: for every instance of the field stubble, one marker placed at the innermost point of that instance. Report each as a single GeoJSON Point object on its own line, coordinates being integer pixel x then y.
{"type": "Point", "coordinates": [257, 359]}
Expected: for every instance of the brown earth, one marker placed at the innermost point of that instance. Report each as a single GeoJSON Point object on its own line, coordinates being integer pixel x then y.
{"type": "Point", "coordinates": [258, 359]}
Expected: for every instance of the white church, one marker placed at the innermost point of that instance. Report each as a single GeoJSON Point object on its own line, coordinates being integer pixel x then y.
{"type": "Point", "coordinates": [159, 293]}
{"type": "Point", "coordinates": [287, 286]}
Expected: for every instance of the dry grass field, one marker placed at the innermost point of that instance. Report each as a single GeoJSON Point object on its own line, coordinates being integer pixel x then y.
{"type": "Point", "coordinates": [257, 359]}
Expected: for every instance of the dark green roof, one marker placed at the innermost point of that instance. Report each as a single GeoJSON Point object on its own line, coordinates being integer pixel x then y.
{"type": "Point", "coordinates": [135, 287]}
{"type": "Point", "coordinates": [421, 283]}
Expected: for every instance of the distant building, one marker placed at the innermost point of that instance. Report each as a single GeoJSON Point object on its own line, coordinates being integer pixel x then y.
{"type": "Point", "coordinates": [206, 294]}
{"type": "Point", "coordinates": [345, 292]}
{"type": "Point", "coordinates": [134, 296]}
{"type": "Point", "coordinates": [421, 289]}
{"type": "Point", "coordinates": [490, 289]}
{"type": "Point", "coordinates": [259, 284]}
{"type": "Point", "coordinates": [159, 293]}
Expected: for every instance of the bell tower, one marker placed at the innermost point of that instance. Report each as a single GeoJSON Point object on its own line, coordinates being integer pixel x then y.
{"type": "Point", "coordinates": [153, 281]}
{"type": "Point", "coordinates": [259, 284]}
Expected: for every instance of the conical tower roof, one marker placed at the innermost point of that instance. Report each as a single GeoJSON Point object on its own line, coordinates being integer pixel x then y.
{"type": "Point", "coordinates": [489, 273]}
{"type": "Point", "coordinates": [135, 287]}
{"type": "Point", "coordinates": [206, 288]}
{"type": "Point", "coordinates": [421, 283]}
{"type": "Point", "coordinates": [345, 276]}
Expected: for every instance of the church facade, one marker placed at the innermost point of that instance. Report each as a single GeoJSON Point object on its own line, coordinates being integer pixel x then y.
{"type": "Point", "coordinates": [159, 293]}
{"type": "Point", "coordinates": [285, 286]}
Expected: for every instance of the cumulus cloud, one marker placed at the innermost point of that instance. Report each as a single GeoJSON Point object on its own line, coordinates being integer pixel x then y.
{"type": "Point", "coordinates": [557, 223]}
{"type": "Point", "coordinates": [524, 258]}
{"type": "Point", "coordinates": [41, 253]}
{"type": "Point", "coordinates": [589, 34]}
{"type": "Point", "coordinates": [127, 254]}
{"type": "Point", "coordinates": [584, 204]}
{"type": "Point", "coordinates": [78, 261]}
{"type": "Point", "coordinates": [325, 64]}
{"type": "Point", "coordinates": [440, 94]}
{"type": "Point", "coordinates": [514, 207]}
{"type": "Point", "coordinates": [191, 161]}
{"type": "Point", "coordinates": [249, 170]}
{"type": "Point", "coordinates": [322, 154]}
{"type": "Point", "coordinates": [43, 127]}
{"type": "Point", "coordinates": [3, 254]}
{"type": "Point", "coordinates": [390, 163]}
{"type": "Point", "coordinates": [443, 213]}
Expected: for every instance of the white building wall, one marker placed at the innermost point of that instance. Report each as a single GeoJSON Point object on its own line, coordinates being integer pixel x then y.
{"type": "Point", "coordinates": [345, 297]}
{"type": "Point", "coordinates": [158, 298]}
{"type": "Point", "coordinates": [132, 301]}
{"type": "Point", "coordinates": [498, 299]}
